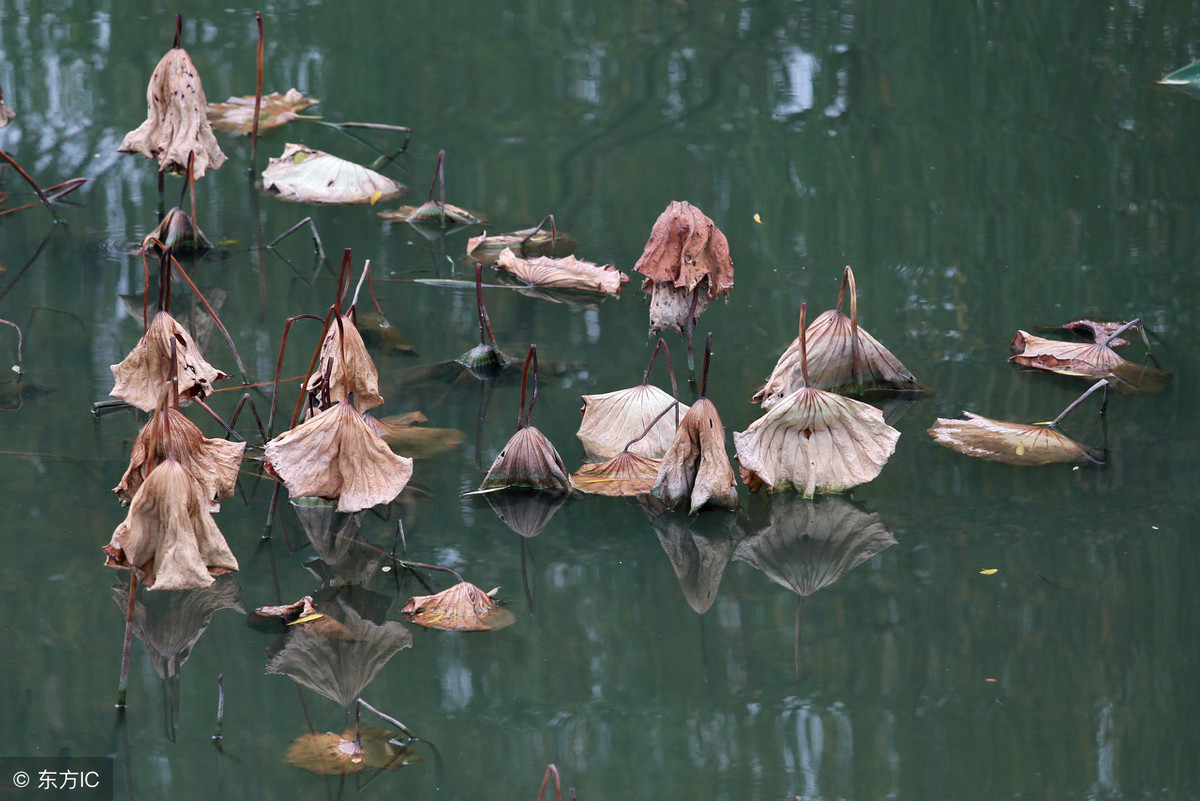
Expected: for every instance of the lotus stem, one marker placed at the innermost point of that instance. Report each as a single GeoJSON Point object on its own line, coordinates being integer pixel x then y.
{"type": "Point", "coordinates": [485, 323]}
{"type": "Point", "coordinates": [672, 405]}
{"type": "Point", "coordinates": [546, 779]}
{"type": "Point", "coordinates": [312, 227]}
{"type": "Point", "coordinates": [689, 333]}
{"type": "Point", "coordinates": [386, 718]}
{"type": "Point", "coordinates": [1103, 382]}
{"type": "Point", "coordinates": [37, 189]}
{"type": "Point", "coordinates": [523, 415]}
{"type": "Point", "coordinates": [803, 344]}
{"type": "Point", "coordinates": [279, 366]}
{"type": "Point", "coordinates": [707, 359]}
{"type": "Point", "coordinates": [257, 96]}
{"type": "Point", "coordinates": [178, 30]}
{"type": "Point", "coordinates": [361, 280]}
{"type": "Point", "coordinates": [123, 684]}
{"type": "Point", "coordinates": [216, 318]}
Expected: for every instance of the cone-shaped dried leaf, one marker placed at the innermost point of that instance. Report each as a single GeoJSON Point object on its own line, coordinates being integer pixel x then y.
{"type": "Point", "coordinates": [695, 470]}
{"type": "Point", "coordinates": [463, 607]}
{"type": "Point", "coordinates": [169, 536]}
{"type": "Point", "coordinates": [176, 123]}
{"type": "Point", "coordinates": [213, 463]}
{"type": "Point", "coordinates": [815, 441]}
{"type": "Point", "coordinates": [6, 113]}
{"type": "Point", "coordinates": [313, 176]}
{"type": "Point", "coordinates": [178, 232]}
{"type": "Point", "coordinates": [236, 115]}
{"type": "Point", "coordinates": [353, 371]}
{"type": "Point", "coordinates": [1086, 360]}
{"type": "Point", "coordinates": [563, 273]}
{"type": "Point", "coordinates": [526, 511]}
{"type": "Point", "coordinates": [431, 213]}
{"type": "Point", "coordinates": [1011, 443]}
{"type": "Point", "coordinates": [527, 243]}
{"type": "Point", "coordinates": [140, 377]}
{"type": "Point", "coordinates": [334, 454]}
{"type": "Point", "coordinates": [408, 438]}
{"type": "Point", "coordinates": [528, 460]}
{"type": "Point", "coordinates": [685, 255]}
{"type": "Point", "coordinates": [612, 419]}
{"type": "Point", "coordinates": [330, 754]}
{"type": "Point", "coordinates": [626, 474]}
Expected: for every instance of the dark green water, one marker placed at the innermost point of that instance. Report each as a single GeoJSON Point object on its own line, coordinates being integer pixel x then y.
{"type": "Point", "coordinates": [983, 168]}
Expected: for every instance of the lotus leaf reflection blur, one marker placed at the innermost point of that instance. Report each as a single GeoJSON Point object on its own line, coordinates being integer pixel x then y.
{"type": "Point", "coordinates": [236, 115]}
{"type": "Point", "coordinates": [379, 334]}
{"type": "Point", "coordinates": [1086, 360]}
{"type": "Point", "coordinates": [305, 175]}
{"type": "Point", "coordinates": [462, 607]}
{"type": "Point", "coordinates": [351, 751]}
{"type": "Point", "coordinates": [408, 437]}
{"type": "Point", "coordinates": [810, 544]}
{"type": "Point", "coordinates": [176, 125]}
{"type": "Point", "coordinates": [525, 511]}
{"type": "Point", "coordinates": [699, 558]}
{"type": "Point", "coordinates": [332, 534]}
{"type": "Point", "coordinates": [1011, 443]}
{"type": "Point", "coordinates": [140, 377]}
{"type": "Point", "coordinates": [842, 357]}
{"type": "Point", "coordinates": [566, 272]}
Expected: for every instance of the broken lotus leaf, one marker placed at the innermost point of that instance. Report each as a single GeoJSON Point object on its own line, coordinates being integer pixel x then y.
{"type": "Point", "coordinates": [624, 475]}
{"type": "Point", "coordinates": [306, 175]}
{"type": "Point", "coordinates": [408, 437]}
{"type": "Point", "coordinates": [139, 378]}
{"type": "Point", "coordinates": [686, 263]}
{"type": "Point", "coordinates": [178, 233]}
{"type": "Point", "coordinates": [612, 419]}
{"type": "Point", "coordinates": [168, 537]}
{"type": "Point", "coordinates": [1011, 443]}
{"type": "Point", "coordinates": [695, 471]}
{"type": "Point", "coordinates": [1086, 360]}
{"type": "Point", "coordinates": [529, 459]}
{"type": "Point", "coordinates": [334, 454]}
{"type": "Point", "coordinates": [176, 125]}
{"type": "Point", "coordinates": [1097, 331]}
{"type": "Point", "coordinates": [236, 115]}
{"type": "Point", "coordinates": [213, 463]}
{"type": "Point", "coordinates": [431, 212]}
{"type": "Point", "coordinates": [563, 273]}
{"type": "Point", "coordinates": [525, 243]}
{"type": "Point", "coordinates": [345, 368]}
{"type": "Point", "coordinates": [463, 607]}
{"type": "Point", "coordinates": [331, 754]}
{"type": "Point", "coordinates": [842, 357]}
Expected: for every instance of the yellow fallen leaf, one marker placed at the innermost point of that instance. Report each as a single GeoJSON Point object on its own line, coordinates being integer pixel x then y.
{"type": "Point", "coordinates": [375, 197]}
{"type": "Point", "coordinates": [757, 219]}
{"type": "Point", "coordinates": [989, 571]}
{"type": "Point", "coordinates": [307, 618]}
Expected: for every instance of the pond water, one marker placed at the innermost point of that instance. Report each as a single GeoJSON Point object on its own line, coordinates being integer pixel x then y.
{"type": "Point", "coordinates": [983, 168]}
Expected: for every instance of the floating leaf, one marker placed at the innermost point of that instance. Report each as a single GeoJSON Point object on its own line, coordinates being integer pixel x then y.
{"type": "Point", "coordinates": [139, 378]}
{"type": "Point", "coordinates": [312, 176]}
{"type": "Point", "coordinates": [1099, 331]}
{"type": "Point", "coordinates": [1086, 360]}
{"type": "Point", "coordinates": [463, 607]}
{"type": "Point", "coordinates": [236, 115]}
{"type": "Point", "coordinates": [526, 243]}
{"type": "Point", "coordinates": [330, 754]}
{"type": "Point", "coordinates": [432, 213]}
{"type": "Point", "coordinates": [176, 125]}
{"type": "Point", "coordinates": [1011, 443]}
{"type": "Point", "coordinates": [563, 273]}
{"type": "Point", "coordinates": [408, 437]}
{"type": "Point", "coordinates": [626, 474]}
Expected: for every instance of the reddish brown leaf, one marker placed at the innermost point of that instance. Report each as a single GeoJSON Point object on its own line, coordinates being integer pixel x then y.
{"type": "Point", "coordinates": [1086, 360]}
{"type": "Point", "coordinates": [626, 474]}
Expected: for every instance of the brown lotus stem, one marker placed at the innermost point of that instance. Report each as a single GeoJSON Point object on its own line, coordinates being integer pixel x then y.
{"type": "Point", "coordinates": [546, 779]}
{"type": "Point", "coordinates": [707, 359]}
{"type": "Point", "coordinates": [343, 283]}
{"type": "Point", "coordinates": [258, 86]}
{"type": "Point", "coordinates": [385, 718]}
{"type": "Point", "coordinates": [237, 357]}
{"type": "Point", "coordinates": [523, 415]}
{"type": "Point", "coordinates": [123, 684]}
{"type": "Point", "coordinates": [312, 229]}
{"type": "Point", "coordinates": [361, 280]}
{"type": "Point", "coordinates": [689, 334]}
{"type": "Point", "coordinates": [662, 343]}
{"type": "Point", "coordinates": [549, 218]}
{"type": "Point", "coordinates": [52, 193]}
{"type": "Point", "coordinates": [1136, 321]}
{"type": "Point", "coordinates": [37, 189]}
{"type": "Point", "coordinates": [1103, 382]}
{"type": "Point", "coordinates": [190, 185]}
{"type": "Point", "coordinates": [439, 177]}
{"type": "Point", "coordinates": [672, 405]}
{"type": "Point", "coordinates": [486, 335]}
{"type": "Point", "coordinates": [178, 30]}
{"type": "Point", "coordinates": [279, 366]}
{"type": "Point", "coordinates": [855, 362]}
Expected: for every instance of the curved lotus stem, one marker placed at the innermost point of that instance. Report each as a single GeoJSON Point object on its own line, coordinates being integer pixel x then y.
{"type": "Point", "coordinates": [523, 415]}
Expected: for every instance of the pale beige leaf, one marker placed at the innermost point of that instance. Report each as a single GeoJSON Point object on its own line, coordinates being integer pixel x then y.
{"type": "Point", "coordinates": [345, 368]}
{"type": "Point", "coordinates": [612, 419]}
{"type": "Point", "coordinates": [1086, 360]}
{"type": "Point", "coordinates": [695, 471]}
{"type": "Point", "coordinates": [1010, 443]}
{"type": "Point", "coordinates": [624, 475]}
{"type": "Point", "coordinates": [563, 273]}
{"type": "Point", "coordinates": [140, 377]}
{"type": "Point", "coordinates": [236, 115]}
{"type": "Point", "coordinates": [313, 176]}
{"type": "Point", "coordinates": [463, 607]}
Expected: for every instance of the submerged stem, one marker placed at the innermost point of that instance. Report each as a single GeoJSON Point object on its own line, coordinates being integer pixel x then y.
{"type": "Point", "coordinates": [1103, 382]}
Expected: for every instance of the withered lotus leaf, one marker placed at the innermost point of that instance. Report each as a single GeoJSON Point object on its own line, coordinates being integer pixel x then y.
{"type": "Point", "coordinates": [526, 243]}
{"type": "Point", "coordinates": [334, 454]}
{"type": "Point", "coordinates": [139, 379]}
{"type": "Point", "coordinates": [431, 213]}
{"type": "Point", "coordinates": [6, 113]}
{"type": "Point", "coordinates": [686, 263]}
{"type": "Point", "coordinates": [178, 232]}
{"type": "Point", "coordinates": [695, 471]}
{"type": "Point", "coordinates": [529, 459]}
{"type": "Point", "coordinates": [563, 273]}
{"type": "Point", "coordinates": [353, 371]}
{"type": "Point", "coordinates": [1086, 360]}
{"type": "Point", "coordinates": [815, 441]}
{"type": "Point", "coordinates": [408, 437]}
{"type": "Point", "coordinates": [1011, 443]}
{"type": "Point", "coordinates": [176, 123]}
{"type": "Point", "coordinates": [626, 474]}
{"type": "Point", "coordinates": [330, 754]}
{"type": "Point", "coordinates": [213, 463]}
{"type": "Point", "coordinates": [1098, 331]}
{"type": "Point", "coordinates": [236, 115]}
{"type": "Point", "coordinates": [612, 419]}
{"type": "Point", "coordinates": [463, 607]}
{"type": "Point", "coordinates": [169, 537]}
{"type": "Point", "coordinates": [305, 175]}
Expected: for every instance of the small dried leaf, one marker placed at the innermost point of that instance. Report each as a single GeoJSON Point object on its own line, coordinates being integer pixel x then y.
{"type": "Point", "coordinates": [330, 754]}
{"type": "Point", "coordinates": [463, 607]}
{"type": "Point", "coordinates": [526, 243]}
{"type": "Point", "coordinates": [236, 115]}
{"type": "Point", "coordinates": [431, 213]}
{"type": "Point", "coordinates": [1086, 360]}
{"type": "Point", "coordinates": [563, 273]}
{"type": "Point", "coordinates": [139, 379]}
{"type": "Point", "coordinates": [313, 176]}
{"type": "Point", "coordinates": [695, 471]}
{"type": "Point", "coordinates": [612, 419]}
{"type": "Point", "coordinates": [1011, 443]}
{"type": "Point", "coordinates": [626, 474]}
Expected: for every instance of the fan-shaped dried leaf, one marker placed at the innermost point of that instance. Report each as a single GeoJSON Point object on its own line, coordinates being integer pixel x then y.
{"type": "Point", "coordinates": [612, 419]}
{"type": "Point", "coordinates": [213, 463]}
{"type": "Point", "coordinates": [236, 115]}
{"type": "Point", "coordinates": [352, 372]}
{"type": "Point", "coordinates": [695, 470]}
{"type": "Point", "coordinates": [526, 243]}
{"type": "Point", "coordinates": [408, 438]}
{"type": "Point", "coordinates": [626, 474]}
{"type": "Point", "coordinates": [169, 537]}
{"type": "Point", "coordinates": [815, 441]}
{"type": "Point", "coordinates": [563, 273]}
{"type": "Point", "coordinates": [332, 754]}
{"type": "Point", "coordinates": [431, 213]}
{"type": "Point", "coordinates": [313, 176]}
{"type": "Point", "coordinates": [176, 123]}
{"type": "Point", "coordinates": [528, 460]}
{"type": "Point", "coordinates": [1011, 443]}
{"type": "Point", "coordinates": [334, 454]}
{"type": "Point", "coordinates": [139, 379]}
{"type": "Point", "coordinates": [1086, 360]}
{"type": "Point", "coordinates": [463, 607]}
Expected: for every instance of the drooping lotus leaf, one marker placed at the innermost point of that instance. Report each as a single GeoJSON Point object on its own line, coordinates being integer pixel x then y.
{"type": "Point", "coordinates": [214, 463]}
{"type": "Point", "coordinates": [612, 419]}
{"type": "Point", "coordinates": [463, 607]}
{"type": "Point", "coordinates": [178, 232]}
{"type": "Point", "coordinates": [139, 378]}
{"type": "Point", "coordinates": [236, 115]}
{"type": "Point", "coordinates": [345, 368]}
{"type": "Point", "coordinates": [526, 243]}
{"type": "Point", "coordinates": [313, 176]}
{"type": "Point", "coordinates": [330, 754]}
{"type": "Point", "coordinates": [563, 273]}
{"type": "Point", "coordinates": [1098, 331]}
{"type": "Point", "coordinates": [529, 459]}
{"type": "Point", "coordinates": [686, 263]}
{"type": "Point", "coordinates": [176, 125]}
{"type": "Point", "coordinates": [334, 454]}
{"type": "Point", "coordinates": [169, 537]}
{"type": "Point", "coordinates": [695, 471]}
{"type": "Point", "coordinates": [1086, 360]}
{"type": "Point", "coordinates": [624, 475]}
{"type": "Point", "coordinates": [1011, 443]}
